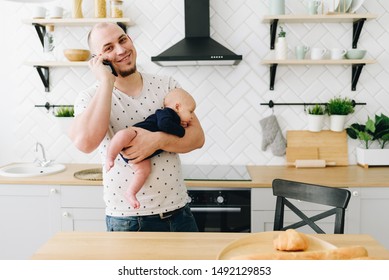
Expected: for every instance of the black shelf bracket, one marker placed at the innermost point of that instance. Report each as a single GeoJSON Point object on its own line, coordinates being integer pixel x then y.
{"type": "Point", "coordinates": [357, 28]}
{"type": "Point", "coordinates": [273, 33]}
{"type": "Point", "coordinates": [355, 73]}
{"type": "Point", "coordinates": [44, 72]}
{"type": "Point", "coordinates": [41, 31]}
{"type": "Point", "coordinates": [273, 71]}
{"type": "Point", "coordinates": [271, 104]}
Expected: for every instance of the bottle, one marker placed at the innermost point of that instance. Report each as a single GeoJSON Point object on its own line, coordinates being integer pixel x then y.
{"type": "Point", "coordinates": [48, 43]}
{"type": "Point", "coordinates": [100, 8]}
{"type": "Point", "coordinates": [277, 7]}
{"type": "Point", "coordinates": [281, 45]}
{"type": "Point", "coordinates": [116, 8]}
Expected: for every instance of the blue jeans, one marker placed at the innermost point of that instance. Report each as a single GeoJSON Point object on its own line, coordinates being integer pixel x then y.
{"type": "Point", "coordinates": [181, 220]}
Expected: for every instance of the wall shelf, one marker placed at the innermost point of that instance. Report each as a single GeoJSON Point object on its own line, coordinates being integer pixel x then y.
{"type": "Point", "coordinates": [356, 64]}
{"type": "Point", "coordinates": [357, 20]}
{"type": "Point", "coordinates": [43, 67]}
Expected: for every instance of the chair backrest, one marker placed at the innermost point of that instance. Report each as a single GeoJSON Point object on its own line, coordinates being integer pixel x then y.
{"type": "Point", "coordinates": [336, 198]}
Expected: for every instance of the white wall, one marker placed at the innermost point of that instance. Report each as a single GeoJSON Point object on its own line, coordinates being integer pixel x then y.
{"type": "Point", "coordinates": [228, 97]}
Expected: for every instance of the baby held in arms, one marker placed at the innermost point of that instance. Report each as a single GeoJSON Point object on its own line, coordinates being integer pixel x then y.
{"type": "Point", "coordinates": [176, 115]}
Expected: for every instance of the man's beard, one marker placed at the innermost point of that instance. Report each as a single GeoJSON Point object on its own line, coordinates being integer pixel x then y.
{"type": "Point", "coordinates": [126, 73]}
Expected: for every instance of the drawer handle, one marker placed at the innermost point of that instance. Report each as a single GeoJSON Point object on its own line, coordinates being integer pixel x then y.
{"type": "Point", "coordinates": [65, 214]}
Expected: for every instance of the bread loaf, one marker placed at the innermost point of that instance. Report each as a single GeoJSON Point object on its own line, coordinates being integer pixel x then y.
{"type": "Point", "coordinates": [291, 240]}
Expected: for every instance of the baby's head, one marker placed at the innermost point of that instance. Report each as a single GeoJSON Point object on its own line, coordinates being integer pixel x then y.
{"type": "Point", "coordinates": [182, 103]}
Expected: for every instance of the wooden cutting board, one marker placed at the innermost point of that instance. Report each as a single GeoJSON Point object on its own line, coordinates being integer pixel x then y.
{"type": "Point", "coordinates": [328, 145]}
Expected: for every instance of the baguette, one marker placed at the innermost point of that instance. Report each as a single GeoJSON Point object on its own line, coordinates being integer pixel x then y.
{"type": "Point", "coordinates": [343, 253]}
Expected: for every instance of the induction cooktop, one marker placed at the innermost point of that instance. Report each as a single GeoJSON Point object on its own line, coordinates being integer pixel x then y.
{"type": "Point", "coordinates": [215, 173]}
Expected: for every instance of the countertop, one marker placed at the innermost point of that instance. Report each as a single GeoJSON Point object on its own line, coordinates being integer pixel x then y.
{"type": "Point", "coordinates": [169, 245]}
{"type": "Point", "coordinates": [262, 176]}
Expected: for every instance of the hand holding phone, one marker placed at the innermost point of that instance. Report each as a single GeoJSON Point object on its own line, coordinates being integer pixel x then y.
{"type": "Point", "coordinates": [108, 63]}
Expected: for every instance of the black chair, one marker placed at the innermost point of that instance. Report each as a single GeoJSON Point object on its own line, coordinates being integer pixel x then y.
{"type": "Point", "coordinates": [337, 198]}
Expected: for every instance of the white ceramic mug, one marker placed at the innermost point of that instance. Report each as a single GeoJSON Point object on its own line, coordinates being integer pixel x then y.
{"type": "Point", "coordinates": [39, 12]}
{"type": "Point", "coordinates": [317, 53]}
{"type": "Point", "coordinates": [312, 6]}
{"type": "Point", "coordinates": [301, 51]}
{"type": "Point", "coordinates": [56, 12]}
{"type": "Point", "coordinates": [337, 53]}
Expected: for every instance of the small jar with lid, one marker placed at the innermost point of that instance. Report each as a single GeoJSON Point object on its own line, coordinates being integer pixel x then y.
{"type": "Point", "coordinates": [100, 8]}
{"type": "Point", "coordinates": [116, 8]}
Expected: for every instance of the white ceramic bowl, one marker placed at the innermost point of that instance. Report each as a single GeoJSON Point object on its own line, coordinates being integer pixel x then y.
{"type": "Point", "coordinates": [355, 54]}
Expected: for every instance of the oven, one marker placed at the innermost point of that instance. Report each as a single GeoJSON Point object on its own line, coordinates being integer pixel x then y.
{"type": "Point", "coordinates": [219, 209]}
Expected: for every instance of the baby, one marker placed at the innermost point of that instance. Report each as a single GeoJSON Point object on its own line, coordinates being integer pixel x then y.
{"type": "Point", "coordinates": [176, 115]}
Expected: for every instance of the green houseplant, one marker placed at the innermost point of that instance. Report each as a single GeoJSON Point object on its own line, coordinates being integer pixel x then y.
{"type": "Point", "coordinates": [373, 131]}
{"type": "Point", "coordinates": [338, 108]}
{"type": "Point", "coordinates": [65, 112]}
{"type": "Point", "coordinates": [64, 116]}
{"type": "Point", "coordinates": [316, 117]}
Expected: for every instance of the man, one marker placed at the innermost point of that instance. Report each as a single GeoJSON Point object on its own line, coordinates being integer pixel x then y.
{"type": "Point", "coordinates": [116, 103]}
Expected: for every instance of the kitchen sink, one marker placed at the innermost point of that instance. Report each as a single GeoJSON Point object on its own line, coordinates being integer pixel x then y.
{"type": "Point", "coordinates": [30, 170]}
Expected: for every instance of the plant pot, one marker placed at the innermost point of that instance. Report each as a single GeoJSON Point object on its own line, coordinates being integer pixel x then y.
{"type": "Point", "coordinates": [337, 122]}
{"type": "Point", "coordinates": [372, 157]}
{"type": "Point", "coordinates": [315, 122]}
{"type": "Point", "coordinates": [64, 123]}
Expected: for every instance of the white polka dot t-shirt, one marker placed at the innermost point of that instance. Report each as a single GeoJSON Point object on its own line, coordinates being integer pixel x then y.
{"type": "Point", "coordinates": [164, 190]}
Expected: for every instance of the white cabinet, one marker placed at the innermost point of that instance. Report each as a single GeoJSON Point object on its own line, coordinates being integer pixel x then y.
{"type": "Point", "coordinates": [368, 210]}
{"type": "Point", "coordinates": [28, 218]}
{"type": "Point", "coordinates": [82, 208]}
{"type": "Point", "coordinates": [263, 204]}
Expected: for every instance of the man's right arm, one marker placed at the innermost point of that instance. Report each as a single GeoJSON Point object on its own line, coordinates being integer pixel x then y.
{"type": "Point", "coordinates": [90, 127]}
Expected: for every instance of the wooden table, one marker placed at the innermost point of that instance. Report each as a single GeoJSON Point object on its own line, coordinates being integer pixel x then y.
{"type": "Point", "coordinates": [166, 246]}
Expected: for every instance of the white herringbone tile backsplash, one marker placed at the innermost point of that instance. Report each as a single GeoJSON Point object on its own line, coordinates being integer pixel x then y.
{"type": "Point", "coordinates": [228, 97]}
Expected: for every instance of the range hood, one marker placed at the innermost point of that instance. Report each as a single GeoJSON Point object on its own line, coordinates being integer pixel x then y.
{"type": "Point", "coordinates": [197, 48]}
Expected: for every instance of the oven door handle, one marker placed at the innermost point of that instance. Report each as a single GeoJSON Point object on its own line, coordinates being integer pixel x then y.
{"type": "Point", "coordinates": [216, 209]}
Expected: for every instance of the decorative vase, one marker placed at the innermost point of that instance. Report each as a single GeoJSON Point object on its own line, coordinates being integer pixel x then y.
{"type": "Point", "coordinates": [337, 122]}
{"type": "Point", "coordinates": [277, 7]}
{"type": "Point", "coordinates": [77, 9]}
{"type": "Point", "coordinates": [281, 48]}
{"type": "Point", "coordinates": [315, 122]}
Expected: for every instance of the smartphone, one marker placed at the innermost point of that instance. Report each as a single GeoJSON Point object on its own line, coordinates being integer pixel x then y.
{"type": "Point", "coordinates": [108, 63]}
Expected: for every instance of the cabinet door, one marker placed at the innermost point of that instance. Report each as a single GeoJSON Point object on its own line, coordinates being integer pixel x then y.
{"type": "Point", "coordinates": [82, 208]}
{"type": "Point", "coordinates": [367, 213]}
{"type": "Point", "coordinates": [27, 219]}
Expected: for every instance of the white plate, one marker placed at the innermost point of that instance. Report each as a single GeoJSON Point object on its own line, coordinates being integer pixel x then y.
{"type": "Point", "coordinates": [262, 242]}
{"type": "Point", "coordinates": [356, 5]}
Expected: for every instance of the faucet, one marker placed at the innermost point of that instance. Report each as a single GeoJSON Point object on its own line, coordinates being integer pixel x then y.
{"type": "Point", "coordinates": [44, 162]}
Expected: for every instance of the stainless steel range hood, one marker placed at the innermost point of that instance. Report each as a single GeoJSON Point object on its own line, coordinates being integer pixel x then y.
{"type": "Point", "coordinates": [197, 48]}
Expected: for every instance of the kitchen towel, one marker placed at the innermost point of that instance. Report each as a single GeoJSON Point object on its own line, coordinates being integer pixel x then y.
{"type": "Point", "coordinates": [272, 136]}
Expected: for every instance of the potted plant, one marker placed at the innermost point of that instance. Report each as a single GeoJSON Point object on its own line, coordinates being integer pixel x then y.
{"type": "Point", "coordinates": [316, 118]}
{"type": "Point", "coordinates": [64, 115]}
{"type": "Point", "coordinates": [338, 108]}
{"type": "Point", "coordinates": [374, 131]}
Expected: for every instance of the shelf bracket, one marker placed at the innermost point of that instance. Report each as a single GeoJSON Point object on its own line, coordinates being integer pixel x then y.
{"type": "Point", "coordinates": [44, 72]}
{"type": "Point", "coordinates": [357, 28]}
{"type": "Point", "coordinates": [273, 71]}
{"type": "Point", "coordinates": [41, 30]}
{"type": "Point", "coordinates": [273, 32]}
{"type": "Point", "coordinates": [356, 72]}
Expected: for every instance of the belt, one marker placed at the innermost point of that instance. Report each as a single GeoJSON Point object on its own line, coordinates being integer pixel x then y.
{"type": "Point", "coordinates": [169, 213]}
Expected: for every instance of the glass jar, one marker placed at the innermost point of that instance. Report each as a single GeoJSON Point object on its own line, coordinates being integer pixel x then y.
{"type": "Point", "coordinates": [100, 8]}
{"type": "Point", "coordinates": [116, 8]}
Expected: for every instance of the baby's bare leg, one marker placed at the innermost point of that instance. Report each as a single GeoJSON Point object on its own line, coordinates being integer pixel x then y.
{"type": "Point", "coordinates": [119, 141]}
{"type": "Point", "coordinates": [142, 171]}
